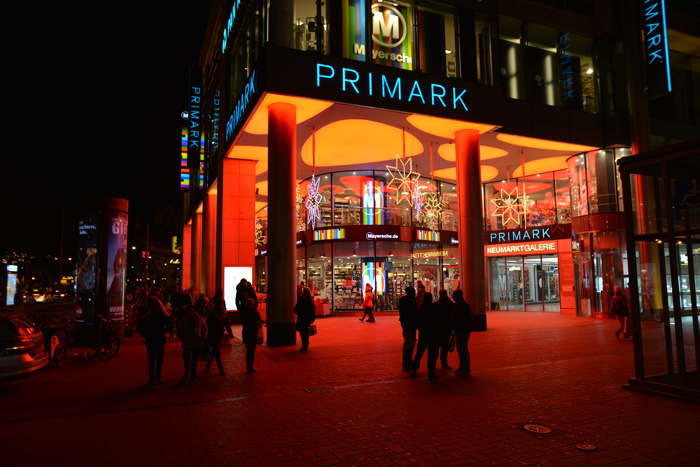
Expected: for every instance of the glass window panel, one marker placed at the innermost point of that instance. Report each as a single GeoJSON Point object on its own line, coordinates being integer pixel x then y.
{"type": "Point", "coordinates": [539, 195]}
{"type": "Point", "coordinates": [562, 192]}
{"type": "Point", "coordinates": [483, 29]}
{"type": "Point", "coordinates": [350, 197]}
{"type": "Point", "coordinates": [436, 42]}
{"type": "Point", "coordinates": [306, 30]}
{"type": "Point", "coordinates": [450, 208]}
{"type": "Point", "coordinates": [392, 35]}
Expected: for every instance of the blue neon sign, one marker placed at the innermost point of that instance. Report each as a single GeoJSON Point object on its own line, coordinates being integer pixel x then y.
{"type": "Point", "coordinates": [229, 24]}
{"type": "Point", "coordinates": [388, 87]}
{"type": "Point", "coordinates": [241, 106]}
{"type": "Point", "coordinates": [657, 58]}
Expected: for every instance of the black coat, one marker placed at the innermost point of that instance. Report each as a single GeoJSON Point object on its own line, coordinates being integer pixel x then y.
{"type": "Point", "coordinates": [462, 318]}
{"type": "Point", "coordinates": [408, 313]}
{"type": "Point", "coordinates": [306, 313]}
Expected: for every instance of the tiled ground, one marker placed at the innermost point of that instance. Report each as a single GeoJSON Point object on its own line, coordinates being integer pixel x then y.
{"type": "Point", "coordinates": [346, 402]}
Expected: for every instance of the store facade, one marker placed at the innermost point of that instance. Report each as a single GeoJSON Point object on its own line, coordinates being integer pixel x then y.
{"type": "Point", "coordinates": [454, 143]}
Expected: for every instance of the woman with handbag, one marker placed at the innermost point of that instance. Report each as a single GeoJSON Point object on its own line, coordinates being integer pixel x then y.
{"type": "Point", "coordinates": [306, 315]}
{"type": "Point", "coordinates": [251, 320]}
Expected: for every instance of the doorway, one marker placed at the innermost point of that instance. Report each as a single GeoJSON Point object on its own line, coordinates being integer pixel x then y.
{"type": "Point", "coordinates": [524, 283]}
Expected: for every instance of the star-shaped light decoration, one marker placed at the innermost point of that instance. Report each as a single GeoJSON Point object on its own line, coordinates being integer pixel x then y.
{"type": "Point", "coordinates": [404, 179]}
{"type": "Point", "coordinates": [510, 206]}
{"type": "Point", "coordinates": [313, 202]}
{"type": "Point", "coordinates": [432, 210]}
{"type": "Point", "coordinates": [260, 237]}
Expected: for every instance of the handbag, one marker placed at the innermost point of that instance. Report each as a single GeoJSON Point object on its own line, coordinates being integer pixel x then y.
{"type": "Point", "coordinates": [260, 338]}
{"type": "Point", "coordinates": [312, 330]}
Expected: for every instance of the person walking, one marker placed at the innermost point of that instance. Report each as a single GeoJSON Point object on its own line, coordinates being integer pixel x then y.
{"type": "Point", "coordinates": [216, 317]}
{"type": "Point", "coordinates": [426, 330]}
{"type": "Point", "coordinates": [218, 304]}
{"type": "Point", "coordinates": [153, 325]}
{"type": "Point", "coordinates": [368, 304]}
{"type": "Point", "coordinates": [250, 318]}
{"type": "Point", "coordinates": [192, 331]}
{"type": "Point", "coordinates": [408, 317]}
{"type": "Point", "coordinates": [306, 315]}
{"type": "Point", "coordinates": [621, 311]}
{"type": "Point", "coordinates": [462, 326]}
{"type": "Point", "coordinates": [445, 310]}
{"type": "Point", "coordinates": [241, 294]}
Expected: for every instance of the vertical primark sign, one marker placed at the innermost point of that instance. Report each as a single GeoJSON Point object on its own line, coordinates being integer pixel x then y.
{"type": "Point", "coordinates": [195, 136]}
{"type": "Point", "coordinates": [656, 56]}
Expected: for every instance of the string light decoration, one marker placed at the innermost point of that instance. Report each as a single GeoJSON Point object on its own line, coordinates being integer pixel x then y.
{"type": "Point", "coordinates": [432, 210]}
{"type": "Point", "coordinates": [313, 202]}
{"type": "Point", "coordinates": [404, 179]}
{"type": "Point", "coordinates": [510, 205]}
{"type": "Point", "coordinates": [260, 237]}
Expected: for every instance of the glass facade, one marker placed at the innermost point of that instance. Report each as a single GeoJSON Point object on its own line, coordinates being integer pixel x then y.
{"type": "Point", "coordinates": [531, 201]}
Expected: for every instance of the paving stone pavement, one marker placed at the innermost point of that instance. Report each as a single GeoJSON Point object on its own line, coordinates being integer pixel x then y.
{"type": "Point", "coordinates": [347, 402]}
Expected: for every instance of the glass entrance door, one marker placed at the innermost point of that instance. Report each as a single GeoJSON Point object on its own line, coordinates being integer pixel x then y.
{"type": "Point", "coordinates": [528, 283]}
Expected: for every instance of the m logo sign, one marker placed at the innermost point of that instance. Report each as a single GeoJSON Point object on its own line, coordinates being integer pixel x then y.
{"type": "Point", "coordinates": [388, 26]}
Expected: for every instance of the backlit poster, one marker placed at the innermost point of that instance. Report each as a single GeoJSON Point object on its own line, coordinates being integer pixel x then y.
{"type": "Point", "coordinates": [391, 33]}
{"type": "Point", "coordinates": [374, 273]}
{"type": "Point", "coordinates": [232, 277]}
{"type": "Point", "coordinates": [11, 288]}
{"type": "Point", "coordinates": [116, 265]}
{"type": "Point", "coordinates": [373, 203]}
{"type": "Point", "coordinates": [86, 281]}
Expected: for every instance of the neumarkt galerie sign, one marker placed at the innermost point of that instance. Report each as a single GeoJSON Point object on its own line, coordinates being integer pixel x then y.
{"type": "Point", "coordinates": [656, 57]}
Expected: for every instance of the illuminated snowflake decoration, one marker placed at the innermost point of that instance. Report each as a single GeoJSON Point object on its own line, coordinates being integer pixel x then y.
{"type": "Point", "coordinates": [404, 179]}
{"type": "Point", "coordinates": [313, 202]}
{"type": "Point", "coordinates": [510, 206]}
{"type": "Point", "coordinates": [260, 237]}
{"type": "Point", "coordinates": [432, 210]}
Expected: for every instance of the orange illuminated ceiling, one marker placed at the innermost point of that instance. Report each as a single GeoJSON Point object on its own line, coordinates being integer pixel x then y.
{"type": "Point", "coordinates": [352, 137]}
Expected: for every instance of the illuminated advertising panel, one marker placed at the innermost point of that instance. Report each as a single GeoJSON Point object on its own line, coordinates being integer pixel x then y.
{"type": "Point", "coordinates": [11, 288]}
{"type": "Point", "coordinates": [116, 265]}
{"type": "Point", "coordinates": [374, 273]}
{"type": "Point", "coordinates": [391, 32]}
{"type": "Point", "coordinates": [232, 277]}
{"type": "Point", "coordinates": [184, 167]}
{"type": "Point", "coordinates": [373, 203]}
{"type": "Point", "coordinates": [86, 281]}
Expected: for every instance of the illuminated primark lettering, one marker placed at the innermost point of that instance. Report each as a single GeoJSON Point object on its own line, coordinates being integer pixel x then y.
{"type": "Point", "coordinates": [228, 27]}
{"type": "Point", "coordinates": [522, 235]}
{"type": "Point", "coordinates": [194, 117]}
{"type": "Point", "coordinates": [392, 88]}
{"type": "Point", "coordinates": [656, 36]}
{"type": "Point", "coordinates": [241, 106]}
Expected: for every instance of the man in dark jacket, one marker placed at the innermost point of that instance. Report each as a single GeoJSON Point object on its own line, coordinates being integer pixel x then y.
{"type": "Point", "coordinates": [408, 316]}
{"type": "Point", "coordinates": [461, 323]}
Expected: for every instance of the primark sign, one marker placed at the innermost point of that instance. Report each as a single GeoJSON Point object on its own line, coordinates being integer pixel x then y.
{"type": "Point", "coordinates": [553, 232]}
{"type": "Point", "coordinates": [656, 56]}
{"type": "Point", "coordinates": [387, 86]}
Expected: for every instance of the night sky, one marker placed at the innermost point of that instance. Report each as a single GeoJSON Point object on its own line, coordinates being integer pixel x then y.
{"type": "Point", "coordinates": [109, 92]}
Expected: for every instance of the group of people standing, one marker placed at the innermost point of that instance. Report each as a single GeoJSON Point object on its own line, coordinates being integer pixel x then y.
{"type": "Point", "coordinates": [200, 324]}
{"type": "Point", "coordinates": [439, 325]}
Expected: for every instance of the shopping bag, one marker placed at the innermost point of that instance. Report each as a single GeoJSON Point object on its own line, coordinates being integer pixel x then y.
{"type": "Point", "coordinates": [312, 330]}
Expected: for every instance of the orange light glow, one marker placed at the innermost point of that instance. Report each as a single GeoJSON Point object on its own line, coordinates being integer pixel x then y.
{"type": "Point", "coordinates": [254, 153]}
{"type": "Point", "coordinates": [200, 208]}
{"type": "Point", "coordinates": [306, 109]}
{"type": "Point", "coordinates": [488, 172]}
{"type": "Point", "coordinates": [358, 141]}
{"type": "Point", "coordinates": [262, 188]}
{"type": "Point", "coordinates": [447, 152]}
{"type": "Point", "coordinates": [546, 164]}
{"type": "Point", "coordinates": [259, 206]}
{"type": "Point", "coordinates": [445, 127]}
{"type": "Point", "coordinates": [212, 190]}
{"type": "Point", "coordinates": [537, 143]}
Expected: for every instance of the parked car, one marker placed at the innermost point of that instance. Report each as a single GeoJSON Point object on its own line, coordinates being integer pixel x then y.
{"type": "Point", "coordinates": [22, 347]}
